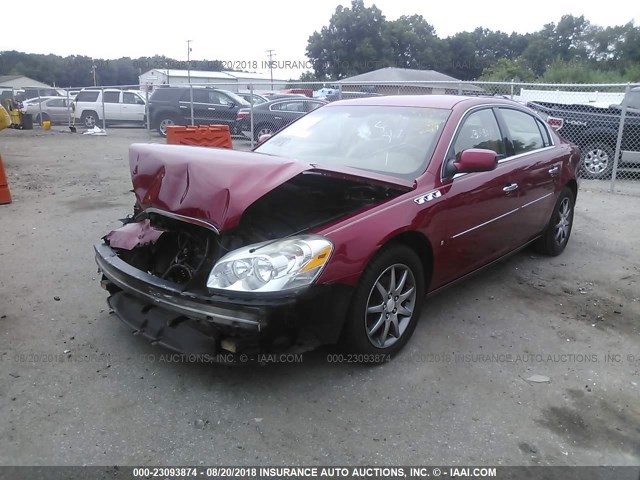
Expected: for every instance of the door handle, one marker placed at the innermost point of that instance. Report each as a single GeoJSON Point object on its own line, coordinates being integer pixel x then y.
{"type": "Point", "coordinates": [211, 108]}
{"type": "Point", "coordinates": [510, 188]}
{"type": "Point", "coordinates": [183, 106]}
{"type": "Point", "coordinates": [554, 170]}
{"type": "Point", "coordinates": [277, 118]}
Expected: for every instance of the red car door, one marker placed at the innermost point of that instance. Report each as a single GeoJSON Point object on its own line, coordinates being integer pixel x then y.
{"type": "Point", "coordinates": [536, 167]}
{"type": "Point", "coordinates": [477, 224]}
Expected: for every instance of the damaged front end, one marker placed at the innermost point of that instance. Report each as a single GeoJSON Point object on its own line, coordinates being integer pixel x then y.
{"type": "Point", "coordinates": [239, 279]}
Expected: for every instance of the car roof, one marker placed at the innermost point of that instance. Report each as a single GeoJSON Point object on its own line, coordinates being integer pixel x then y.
{"type": "Point", "coordinates": [433, 101]}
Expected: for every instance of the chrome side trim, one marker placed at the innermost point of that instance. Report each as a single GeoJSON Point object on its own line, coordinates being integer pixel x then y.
{"type": "Point", "coordinates": [536, 200]}
{"type": "Point", "coordinates": [485, 223]}
{"type": "Point", "coordinates": [501, 216]}
{"type": "Point", "coordinates": [183, 218]}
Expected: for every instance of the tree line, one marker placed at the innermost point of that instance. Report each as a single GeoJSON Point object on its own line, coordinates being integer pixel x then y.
{"type": "Point", "coordinates": [573, 50]}
{"type": "Point", "coordinates": [78, 71]}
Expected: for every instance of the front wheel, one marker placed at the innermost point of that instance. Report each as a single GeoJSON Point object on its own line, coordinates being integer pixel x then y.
{"type": "Point", "coordinates": [165, 121]}
{"type": "Point", "coordinates": [386, 304]}
{"type": "Point", "coordinates": [556, 236]}
{"type": "Point", "coordinates": [597, 160]}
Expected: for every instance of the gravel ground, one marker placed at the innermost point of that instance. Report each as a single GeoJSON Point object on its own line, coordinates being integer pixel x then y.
{"type": "Point", "coordinates": [535, 361]}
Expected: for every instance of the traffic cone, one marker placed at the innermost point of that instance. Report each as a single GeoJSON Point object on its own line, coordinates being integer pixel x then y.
{"type": "Point", "coordinates": [5, 194]}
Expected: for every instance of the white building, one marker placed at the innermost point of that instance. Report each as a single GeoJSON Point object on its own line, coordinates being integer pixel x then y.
{"type": "Point", "coordinates": [20, 81]}
{"type": "Point", "coordinates": [233, 81]}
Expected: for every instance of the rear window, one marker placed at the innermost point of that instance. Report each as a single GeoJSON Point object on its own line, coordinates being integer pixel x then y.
{"type": "Point", "coordinates": [164, 94]}
{"type": "Point", "coordinates": [85, 96]}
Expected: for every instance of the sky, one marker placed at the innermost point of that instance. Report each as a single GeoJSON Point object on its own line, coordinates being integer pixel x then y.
{"type": "Point", "coordinates": [239, 33]}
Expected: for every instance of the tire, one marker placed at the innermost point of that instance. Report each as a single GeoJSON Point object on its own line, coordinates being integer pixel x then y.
{"type": "Point", "coordinates": [370, 328]}
{"type": "Point", "coordinates": [44, 118]}
{"type": "Point", "coordinates": [263, 129]}
{"type": "Point", "coordinates": [597, 160]}
{"type": "Point", "coordinates": [556, 235]}
{"type": "Point", "coordinates": [90, 119]}
{"type": "Point", "coordinates": [164, 122]}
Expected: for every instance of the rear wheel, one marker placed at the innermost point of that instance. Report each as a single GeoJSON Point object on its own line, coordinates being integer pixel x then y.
{"type": "Point", "coordinates": [263, 129]}
{"type": "Point", "coordinates": [556, 235]}
{"type": "Point", "coordinates": [386, 304]}
{"type": "Point", "coordinates": [597, 160]}
{"type": "Point", "coordinates": [90, 119]}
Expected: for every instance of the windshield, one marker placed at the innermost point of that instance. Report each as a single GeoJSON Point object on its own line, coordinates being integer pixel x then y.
{"type": "Point", "coordinates": [397, 141]}
{"type": "Point", "coordinates": [238, 100]}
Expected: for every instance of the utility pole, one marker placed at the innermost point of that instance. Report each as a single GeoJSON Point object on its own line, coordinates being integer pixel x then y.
{"type": "Point", "coordinates": [189, 60]}
{"type": "Point", "coordinates": [271, 55]}
{"type": "Point", "coordinates": [93, 69]}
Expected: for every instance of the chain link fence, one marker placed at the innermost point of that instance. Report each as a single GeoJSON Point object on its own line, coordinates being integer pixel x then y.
{"type": "Point", "coordinates": [602, 119]}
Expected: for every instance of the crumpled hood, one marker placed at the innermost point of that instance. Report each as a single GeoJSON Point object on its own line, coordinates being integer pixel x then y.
{"type": "Point", "coordinates": [212, 184]}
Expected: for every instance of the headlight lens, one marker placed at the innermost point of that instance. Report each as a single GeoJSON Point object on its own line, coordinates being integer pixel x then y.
{"type": "Point", "coordinates": [271, 267]}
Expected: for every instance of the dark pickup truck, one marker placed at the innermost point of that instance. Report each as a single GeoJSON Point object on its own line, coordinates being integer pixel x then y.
{"type": "Point", "coordinates": [595, 131]}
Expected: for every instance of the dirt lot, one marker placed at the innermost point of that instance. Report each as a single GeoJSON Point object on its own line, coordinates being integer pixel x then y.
{"type": "Point", "coordinates": [77, 388]}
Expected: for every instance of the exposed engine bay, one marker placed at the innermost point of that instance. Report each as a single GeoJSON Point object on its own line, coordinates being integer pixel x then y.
{"type": "Point", "coordinates": [184, 253]}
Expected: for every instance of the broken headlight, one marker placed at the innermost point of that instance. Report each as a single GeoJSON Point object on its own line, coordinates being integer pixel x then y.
{"type": "Point", "coordinates": [272, 266]}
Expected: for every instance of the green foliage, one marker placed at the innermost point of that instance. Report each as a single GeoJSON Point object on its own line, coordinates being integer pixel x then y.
{"type": "Point", "coordinates": [352, 43]}
{"type": "Point", "coordinates": [582, 72]}
{"type": "Point", "coordinates": [505, 70]}
{"type": "Point", "coordinates": [307, 76]}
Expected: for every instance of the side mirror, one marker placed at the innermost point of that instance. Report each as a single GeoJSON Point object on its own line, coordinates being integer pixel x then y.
{"type": "Point", "coordinates": [476, 160]}
{"type": "Point", "coordinates": [263, 138]}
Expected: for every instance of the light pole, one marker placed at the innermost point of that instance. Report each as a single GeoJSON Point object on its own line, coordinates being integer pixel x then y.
{"type": "Point", "coordinates": [271, 55]}
{"type": "Point", "coordinates": [93, 69]}
{"type": "Point", "coordinates": [189, 60]}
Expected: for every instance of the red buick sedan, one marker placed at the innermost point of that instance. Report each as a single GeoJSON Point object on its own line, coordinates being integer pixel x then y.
{"type": "Point", "coordinates": [336, 228]}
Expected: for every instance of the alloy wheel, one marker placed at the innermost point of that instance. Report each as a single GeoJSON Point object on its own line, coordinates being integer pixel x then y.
{"type": "Point", "coordinates": [390, 305]}
{"type": "Point", "coordinates": [562, 228]}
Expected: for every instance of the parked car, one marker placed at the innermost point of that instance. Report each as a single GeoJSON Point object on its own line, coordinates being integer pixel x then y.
{"type": "Point", "coordinates": [119, 106]}
{"type": "Point", "coordinates": [55, 109]}
{"type": "Point", "coordinates": [272, 116]}
{"type": "Point", "coordinates": [172, 106]}
{"type": "Point", "coordinates": [325, 91]}
{"type": "Point", "coordinates": [348, 96]}
{"type": "Point", "coordinates": [278, 95]}
{"type": "Point", "coordinates": [595, 130]}
{"type": "Point", "coordinates": [336, 227]}
{"type": "Point", "coordinates": [257, 99]}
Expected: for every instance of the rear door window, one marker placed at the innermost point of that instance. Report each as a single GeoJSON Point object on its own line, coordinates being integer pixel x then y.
{"type": "Point", "coordinates": [523, 129]}
{"type": "Point", "coordinates": [111, 97]}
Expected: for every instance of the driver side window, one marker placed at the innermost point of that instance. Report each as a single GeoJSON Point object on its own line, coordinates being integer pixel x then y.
{"type": "Point", "coordinates": [479, 130]}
